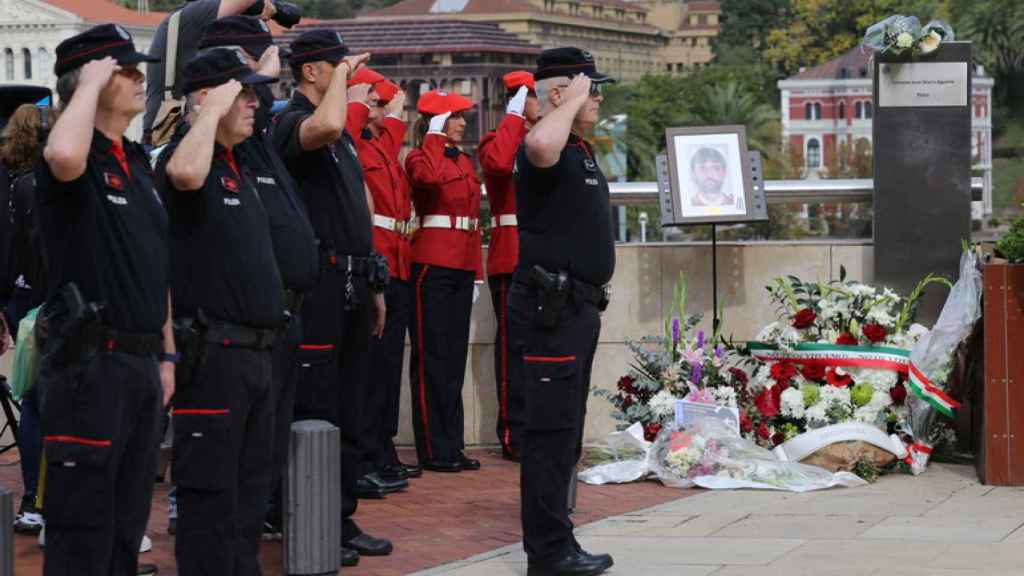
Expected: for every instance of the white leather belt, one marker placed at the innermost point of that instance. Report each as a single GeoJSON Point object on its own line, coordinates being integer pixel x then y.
{"type": "Point", "coordinates": [389, 223]}
{"type": "Point", "coordinates": [450, 222]}
{"type": "Point", "coordinates": [504, 220]}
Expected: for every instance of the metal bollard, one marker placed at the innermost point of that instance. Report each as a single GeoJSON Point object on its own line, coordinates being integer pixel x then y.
{"type": "Point", "coordinates": [6, 532]}
{"type": "Point", "coordinates": [312, 524]}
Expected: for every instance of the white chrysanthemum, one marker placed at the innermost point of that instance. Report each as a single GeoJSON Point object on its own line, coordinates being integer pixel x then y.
{"type": "Point", "coordinates": [880, 380]}
{"type": "Point", "coordinates": [904, 40]}
{"type": "Point", "coordinates": [663, 404]}
{"type": "Point", "coordinates": [792, 403]}
{"type": "Point", "coordinates": [725, 396]}
{"type": "Point", "coordinates": [761, 380]}
{"type": "Point", "coordinates": [815, 415]}
{"type": "Point", "coordinates": [862, 290]}
{"type": "Point", "coordinates": [930, 42]}
{"type": "Point", "coordinates": [879, 314]}
{"type": "Point", "coordinates": [830, 394]}
{"type": "Point", "coordinates": [867, 414]}
{"type": "Point", "coordinates": [881, 400]}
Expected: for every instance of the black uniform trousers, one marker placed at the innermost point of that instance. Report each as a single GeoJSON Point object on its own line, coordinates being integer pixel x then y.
{"type": "Point", "coordinates": [101, 428]}
{"type": "Point", "coordinates": [285, 376]}
{"type": "Point", "coordinates": [442, 306]}
{"type": "Point", "coordinates": [223, 424]}
{"type": "Point", "coordinates": [556, 366]}
{"type": "Point", "coordinates": [387, 355]}
{"type": "Point", "coordinates": [508, 377]}
{"type": "Point", "coordinates": [333, 378]}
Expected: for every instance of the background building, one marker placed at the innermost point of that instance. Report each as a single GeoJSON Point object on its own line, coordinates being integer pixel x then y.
{"type": "Point", "coordinates": [827, 110]}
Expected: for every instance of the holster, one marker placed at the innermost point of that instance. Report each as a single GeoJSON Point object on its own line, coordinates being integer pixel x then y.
{"type": "Point", "coordinates": [64, 324]}
{"type": "Point", "coordinates": [378, 274]}
{"type": "Point", "coordinates": [552, 295]}
{"type": "Point", "coordinates": [190, 340]}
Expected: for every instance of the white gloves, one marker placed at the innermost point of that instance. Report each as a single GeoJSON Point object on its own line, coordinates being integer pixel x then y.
{"type": "Point", "coordinates": [437, 124]}
{"type": "Point", "coordinates": [518, 102]}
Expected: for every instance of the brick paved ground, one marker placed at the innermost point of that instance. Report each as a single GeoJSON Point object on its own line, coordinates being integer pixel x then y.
{"type": "Point", "coordinates": [440, 519]}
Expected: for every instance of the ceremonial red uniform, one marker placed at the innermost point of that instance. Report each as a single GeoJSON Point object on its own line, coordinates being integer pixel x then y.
{"type": "Point", "coordinates": [446, 261]}
{"type": "Point", "coordinates": [497, 158]}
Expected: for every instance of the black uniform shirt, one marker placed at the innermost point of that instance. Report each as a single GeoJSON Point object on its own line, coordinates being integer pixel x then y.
{"type": "Point", "coordinates": [222, 256]}
{"type": "Point", "coordinates": [564, 215]}
{"type": "Point", "coordinates": [106, 231]}
{"type": "Point", "coordinates": [292, 234]}
{"type": "Point", "coordinates": [330, 182]}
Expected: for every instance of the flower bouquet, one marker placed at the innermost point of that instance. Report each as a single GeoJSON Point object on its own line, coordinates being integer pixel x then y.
{"type": "Point", "coordinates": [710, 455]}
{"type": "Point", "coordinates": [673, 366]}
{"type": "Point", "coordinates": [900, 34]}
{"type": "Point", "coordinates": [840, 353]}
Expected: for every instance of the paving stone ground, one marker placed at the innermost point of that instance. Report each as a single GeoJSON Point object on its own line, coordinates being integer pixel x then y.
{"type": "Point", "coordinates": [443, 518]}
{"type": "Point", "coordinates": [943, 523]}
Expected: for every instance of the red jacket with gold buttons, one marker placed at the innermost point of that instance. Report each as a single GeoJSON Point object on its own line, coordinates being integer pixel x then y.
{"type": "Point", "coordinates": [497, 158]}
{"type": "Point", "coordinates": [444, 184]}
{"type": "Point", "coordinates": [387, 182]}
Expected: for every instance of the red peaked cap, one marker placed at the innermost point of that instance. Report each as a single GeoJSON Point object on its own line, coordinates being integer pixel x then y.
{"type": "Point", "coordinates": [439, 101]}
{"type": "Point", "coordinates": [513, 80]}
{"type": "Point", "coordinates": [386, 89]}
{"type": "Point", "coordinates": [365, 76]}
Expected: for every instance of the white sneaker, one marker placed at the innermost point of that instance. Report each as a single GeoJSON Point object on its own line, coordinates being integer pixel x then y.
{"type": "Point", "coordinates": [28, 523]}
{"type": "Point", "coordinates": [146, 546]}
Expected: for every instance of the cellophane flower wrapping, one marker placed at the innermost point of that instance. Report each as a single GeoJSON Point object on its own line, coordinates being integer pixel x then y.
{"type": "Point", "coordinates": [711, 455]}
{"type": "Point", "coordinates": [623, 457]}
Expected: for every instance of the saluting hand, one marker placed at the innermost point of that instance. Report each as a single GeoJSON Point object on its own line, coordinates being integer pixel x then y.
{"type": "Point", "coordinates": [356, 62]}
{"type": "Point", "coordinates": [577, 91]}
{"type": "Point", "coordinates": [96, 73]}
{"type": "Point", "coordinates": [437, 124]}
{"type": "Point", "coordinates": [517, 103]}
{"type": "Point", "coordinates": [270, 62]}
{"type": "Point", "coordinates": [397, 104]}
{"type": "Point", "coordinates": [219, 100]}
{"type": "Point", "coordinates": [359, 93]}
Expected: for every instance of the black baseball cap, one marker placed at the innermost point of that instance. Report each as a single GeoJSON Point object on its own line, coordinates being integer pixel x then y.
{"type": "Point", "coordinates": [317, 45]}
{"type": "Point", "coordinates": [568, 61]}
{"type": "Point", "coordinates": [250, 33]}
{"type": "Point", "coordinates": [96, 44]}
{"type": "Point", "coordinates": [218, 66]}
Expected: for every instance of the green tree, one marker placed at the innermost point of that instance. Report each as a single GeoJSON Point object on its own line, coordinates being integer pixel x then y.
{"type": "Point", "coordinates": [997, 29]}
{"type": "Point", "coordinates": [745, 24]}
{"type": "Point", "coordinates": [728, 103]}
{"type": "Point", "coordinates": [816, 31]}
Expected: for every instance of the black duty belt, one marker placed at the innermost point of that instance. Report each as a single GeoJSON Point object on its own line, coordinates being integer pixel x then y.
{"type": "Point", "coordinates": [239, 336]}
{"type": "Point", "coordinates": [358, 265]}
{"type": "Point", "coordinates": [127, 342]}
{"type": "Point", "coordinates": [581, 291]}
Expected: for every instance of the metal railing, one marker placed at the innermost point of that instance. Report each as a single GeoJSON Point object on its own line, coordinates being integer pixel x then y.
{"type": "Point", "coordinates": [777, 191]}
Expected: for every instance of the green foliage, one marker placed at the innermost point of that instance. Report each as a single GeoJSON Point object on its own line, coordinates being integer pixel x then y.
{"type": "Point", "coordinates": [745, 23]}
{"type": "Point", "coordinates": [997, 29]}
{"type": "Point", "coordinates": [1011, 245]}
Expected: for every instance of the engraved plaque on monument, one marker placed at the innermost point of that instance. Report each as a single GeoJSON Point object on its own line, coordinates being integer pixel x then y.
{"type": "Point", "coordinates": [922, 168]}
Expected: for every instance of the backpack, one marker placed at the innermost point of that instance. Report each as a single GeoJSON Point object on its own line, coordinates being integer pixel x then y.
{"type": "Point", "coordinates": [171, 109]}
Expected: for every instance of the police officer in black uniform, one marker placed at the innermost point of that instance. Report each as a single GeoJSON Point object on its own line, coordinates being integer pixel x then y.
{"type": "Point", "coordinates": [347, 305]}
{"type": "Point", "coordinates": [105, 235]}
{"type": "Point", "coordinates": [567, 257]}
{"type": "Point", "coordinates": [293, 237]}
{"type": "Point", "coordinates": [229, 306]}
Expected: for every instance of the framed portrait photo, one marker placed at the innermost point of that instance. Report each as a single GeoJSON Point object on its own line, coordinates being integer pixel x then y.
{"type": "Point", "coordinates": [710, 176]}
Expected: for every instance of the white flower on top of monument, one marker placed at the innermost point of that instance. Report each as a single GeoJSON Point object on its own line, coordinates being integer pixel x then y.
{"type": "Point", "coordinates": [904, 40]}
{"type": "Point", "coordinates": [930, 42]}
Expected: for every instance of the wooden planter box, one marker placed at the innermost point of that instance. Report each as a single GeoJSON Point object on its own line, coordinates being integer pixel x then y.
{"type": "Point", "coordinates": [1000, 445]}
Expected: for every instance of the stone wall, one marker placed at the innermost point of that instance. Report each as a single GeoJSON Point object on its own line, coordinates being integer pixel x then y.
{"type": "Point", "coordinates": [642, 290]}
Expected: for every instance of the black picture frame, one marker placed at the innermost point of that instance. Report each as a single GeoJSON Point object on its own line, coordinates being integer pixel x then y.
{"type": "Point", "coordinates": [730, 142]}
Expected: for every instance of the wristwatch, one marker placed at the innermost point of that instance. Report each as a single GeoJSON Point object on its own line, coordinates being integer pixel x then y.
{"type": "Point", "coordinates": [168, 357]}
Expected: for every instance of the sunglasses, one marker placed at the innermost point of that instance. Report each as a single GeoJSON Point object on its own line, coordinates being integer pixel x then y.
{"type": "Point", "coordinates": [595, 89]}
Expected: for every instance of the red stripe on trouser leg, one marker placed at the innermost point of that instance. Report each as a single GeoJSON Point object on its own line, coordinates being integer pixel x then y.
{"type": "Point", "coordinates": [422, 368]}
{"type": "Point", "coordinates": [506, 439]}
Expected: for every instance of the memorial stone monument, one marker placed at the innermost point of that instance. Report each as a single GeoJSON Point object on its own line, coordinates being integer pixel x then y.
{"type": "Point", "coordinates": [922, 168]}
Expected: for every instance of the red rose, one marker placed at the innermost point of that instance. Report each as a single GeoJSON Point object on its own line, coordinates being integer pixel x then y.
{"type": "Point", "coordinates": [651, 430]}
{"type": "Point", "coordinates": [739, 375]}
{"type": "Point", "coordinates": [838, 380]}
{"type": "Point", "coordinates": [804, 319]}
{"type": "Point", "coordinates": [767, 402]}
{"type": "Point", "coordinates": [746, 424]}
{"type": "Point", "coordinates": [627, 401]}
{"type": "Point", "coordinates": [898, 393]}
{"type": "Point", "coordinates": [762, 431]}
{"type": "Point", "coordinates": [875, 333]}
{"type": "Point", "coordinates": [778, 438]}
{"type": "Point", "coordinates": [813, 371]}
{"type": "Point", "coordinates": [626, 384]}
{"type": "Point", "coordinates": [783, 372]}
{"type": "Point", "coordinates": [847, 339]}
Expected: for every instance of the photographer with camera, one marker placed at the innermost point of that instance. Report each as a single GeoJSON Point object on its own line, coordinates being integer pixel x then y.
{"type": "Point", "coordinates": [177, 40]}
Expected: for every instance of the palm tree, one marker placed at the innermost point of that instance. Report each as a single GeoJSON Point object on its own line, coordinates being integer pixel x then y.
{"type": "Point", "coordinates": [997, 30]}
{"type": "Point", "coordinates": [727, 103]}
